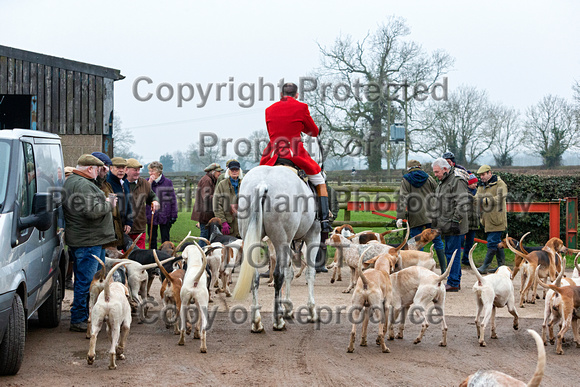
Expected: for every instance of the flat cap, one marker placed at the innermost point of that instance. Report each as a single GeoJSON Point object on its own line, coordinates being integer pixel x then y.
{"type": "Point", "coordinates": [68, 171]}
{"type": "Point", "coordinates": [412, 164]}
{"type": "Point", "coordinates": [119, 162]}
{"type": "Point", "coordinates": [213, 167]}
{"type": "Point", "coordinates": [483, 169]}
{"type": "Point", "coordinates": [89, 160]}
{"type": "Point", "coordinates": [103, 157]}
{"type": "Point", "coordinates": [133, 163]}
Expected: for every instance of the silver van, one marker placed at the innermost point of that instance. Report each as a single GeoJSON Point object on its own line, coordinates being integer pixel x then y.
{"type": "Point", "coordinates": [32, 257]}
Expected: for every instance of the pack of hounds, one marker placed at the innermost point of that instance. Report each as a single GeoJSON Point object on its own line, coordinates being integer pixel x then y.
{"type": "Point", "coordinates": [385, 280]}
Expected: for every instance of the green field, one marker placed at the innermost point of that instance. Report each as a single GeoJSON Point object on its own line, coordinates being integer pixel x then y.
{"type": "Point", "coordinates": [184, 224]}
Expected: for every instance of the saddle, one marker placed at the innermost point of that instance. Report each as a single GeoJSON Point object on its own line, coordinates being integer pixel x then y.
{"type": "Point", "coordinates": [301, 174]}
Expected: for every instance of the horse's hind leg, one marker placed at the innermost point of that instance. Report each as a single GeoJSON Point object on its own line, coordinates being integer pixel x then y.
{"type": "Point", "coordinates": [257, 326]}
{"type": "Point", "coordinates": [312, 244]}
{"type": "Point", "coordinates": [287, 303]}
{"type": "Point", "coordinates": [282, 253]}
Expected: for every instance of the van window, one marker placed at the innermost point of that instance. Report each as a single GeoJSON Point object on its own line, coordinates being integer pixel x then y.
{"type": "Point", "coordinates": [4, 168]}
{"type": "Point", "coordinates": [27, 181]}
{"type": "Point", "coordinates": [49, 173]}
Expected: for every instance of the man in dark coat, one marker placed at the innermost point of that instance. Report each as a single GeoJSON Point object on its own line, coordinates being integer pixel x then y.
{"type": "Point", "coordinates": [141, 196]}
{"type": "Point", "coordinates": [286, 120]}
{"type": "Point", "coordinates": [118, 181]}
{"type": "Point", "coordinates": [450, 215]}
{"type": "Point", "coordinates": [416, 186]}
{"type": "Point", "coordinates": [203, 207]}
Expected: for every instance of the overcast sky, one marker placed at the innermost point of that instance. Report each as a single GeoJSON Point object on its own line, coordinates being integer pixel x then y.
{"type": "Point", "coordinates": [518, 51]}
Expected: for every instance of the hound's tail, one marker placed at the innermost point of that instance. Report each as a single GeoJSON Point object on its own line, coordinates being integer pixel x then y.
{"type": "Point", "coordinates": [556, 286]}
{"type": "Point", "coordinates": [480, 279]}
{"type": "Point", "coordinates": [102, 273]}
{"type": "Point", "coordinates": [539, 374]}
{"type": "Point", "coordinates": [252, 244]}
{"type": "Point", "coordinates": [446, 274]}
{"type": "Point", "coordinates": [160, 265]}
{"type": "Point", "coordinates": [108, 279]}
{"type": "Point", "coordinates": [359, 269]}
{"type": "Point", "coordinates": [516, 252]}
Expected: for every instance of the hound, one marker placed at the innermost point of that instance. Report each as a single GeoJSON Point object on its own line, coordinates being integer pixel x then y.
{"type": "Point", "coordinates": [97, 286]}
{"type": "Point", "coordinates": [416, 258]}
{"type": "Point", "coordinates": [372, 294]}
{"type": "Point", "coordinates": [496, 378]}
{"type": "Point", "coordinates": [418, 286]}
{"type": "Point", "coordinates": [544, 259]}
{"type": "Point", "coordinates": [214, 226]}
{"type": "Point", "coordinates": [491, 292]}
{"type": "Point", "coordinates": [137, 276]}
{"type": "Point", "coordinates": [194, 288]}
{"type": "Point", "coordinates": [111, 305]}
{"type": "Point", "coordinates": [570, 303]}
{"type": "Point", "coordinates": [421, 240]}
{"type": "Point", "coordinates": [170, 293]}
{"type": "Point", "coordinates": [231, 257]}
{"type": "Point", "coordinates": [518, 246]}
{"type": "Point", "coordinates": [351, 252]}
{"type": "Point", "coordinates": [553, 305]}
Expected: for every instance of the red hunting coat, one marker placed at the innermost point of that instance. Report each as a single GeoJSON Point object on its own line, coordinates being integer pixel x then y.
{"type": "Point", "coordinates": [285, 120]}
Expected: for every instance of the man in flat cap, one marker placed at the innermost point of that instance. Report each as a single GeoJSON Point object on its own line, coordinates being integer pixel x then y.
{"type": "Point", "coordinates": [89, 226]}
{"type": "Point", "coordinates": [415, 187]}
{"type": "Point", "coordinates": [203, 207]}
{"type": "Point", "coordinates": [141, 196]}
{"type": "Point", "coordinates": [116, 178]}
{"type": "Point", "coordinates": [491, 198]}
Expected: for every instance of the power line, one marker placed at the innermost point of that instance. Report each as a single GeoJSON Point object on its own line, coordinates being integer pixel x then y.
{"type": "Point", "coordinates": [209, 118]}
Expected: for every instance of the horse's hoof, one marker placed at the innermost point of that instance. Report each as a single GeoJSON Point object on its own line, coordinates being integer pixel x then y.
{"type": "Point", "coordinates": [257, 328]}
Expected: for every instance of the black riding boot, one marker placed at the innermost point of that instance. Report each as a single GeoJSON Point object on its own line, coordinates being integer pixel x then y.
{"type": "Point", "coordinates": [321, 256]}
{"type": "Point", "coordinates": [323, 208]}
{"type": "Point", "coordinates": [488, 260]}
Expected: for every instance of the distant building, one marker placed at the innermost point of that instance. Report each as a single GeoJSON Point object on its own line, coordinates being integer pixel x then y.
{"type": "Point", "coordinates": [57, 95]}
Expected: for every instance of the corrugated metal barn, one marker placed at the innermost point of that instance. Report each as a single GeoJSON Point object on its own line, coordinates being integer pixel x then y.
{"type": "Point", "coordinates": [57, 95]}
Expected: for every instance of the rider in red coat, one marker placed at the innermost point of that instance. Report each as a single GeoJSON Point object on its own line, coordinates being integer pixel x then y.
{"type": "Point", "coordinates": [285, 120]}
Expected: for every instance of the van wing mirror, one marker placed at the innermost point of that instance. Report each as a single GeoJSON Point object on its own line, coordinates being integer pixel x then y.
{"type": "Point", "coordinates": [40, 218]}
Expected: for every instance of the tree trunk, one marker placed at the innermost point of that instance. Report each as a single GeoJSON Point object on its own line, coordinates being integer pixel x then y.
{"type": "Point", "coordinates": [375, 141]}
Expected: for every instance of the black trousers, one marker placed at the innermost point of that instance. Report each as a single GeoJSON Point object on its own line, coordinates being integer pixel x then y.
{"type": "Point", "coordinates": [164, 229]}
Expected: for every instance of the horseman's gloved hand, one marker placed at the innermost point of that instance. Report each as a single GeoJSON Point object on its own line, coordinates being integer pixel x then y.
{"type": "Point", "coordinates": [226, 229]}
{"type": "Point", "coordinates": [454, 228]}
{"type": "Point", "coordinates": [399, 223]}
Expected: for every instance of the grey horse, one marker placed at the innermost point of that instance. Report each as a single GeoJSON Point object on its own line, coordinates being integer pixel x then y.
{"type": "Point", "coordinates": [274, 201]}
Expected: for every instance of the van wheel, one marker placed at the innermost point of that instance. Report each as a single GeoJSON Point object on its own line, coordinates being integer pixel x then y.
{"type": "Point", "coordinates": [49, 312]}
{"type": "Point", "coordinates": [12, 346]}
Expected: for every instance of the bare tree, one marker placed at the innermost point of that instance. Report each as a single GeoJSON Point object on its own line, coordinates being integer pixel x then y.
{"type": "Point", "coordinates": [504, 121]}
{"type": "Point", "coordinates": [367, 81]}
{"type": "Point", "coordinates": [181, 162]}
{"type": "Point", "coordinates": [198, 160]}
{"type": "Point", "coordinates": [394, 154]}
{"type": "Point", "coordinates": [460, 125]}
{"type": "Point", "coordinates": [123, 140]}
{"type": "Point", "coordinates": [551, 128]}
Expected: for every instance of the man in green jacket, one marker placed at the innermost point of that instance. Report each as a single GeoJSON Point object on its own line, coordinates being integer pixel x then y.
{"type": "Point", "coordinates": [491, 198]}
{"type": "Point", "coordinates": [89, 226]}
{"type": "Point", "coordinates": [450, 215]}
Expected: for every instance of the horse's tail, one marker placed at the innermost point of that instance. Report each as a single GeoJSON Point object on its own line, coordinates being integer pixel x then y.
{"type": "Point", "coordinates": [252, 243]}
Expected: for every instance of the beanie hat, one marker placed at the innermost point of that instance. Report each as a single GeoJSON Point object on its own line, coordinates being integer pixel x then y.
{"type": "Point", "coordinates": [472, 179]}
